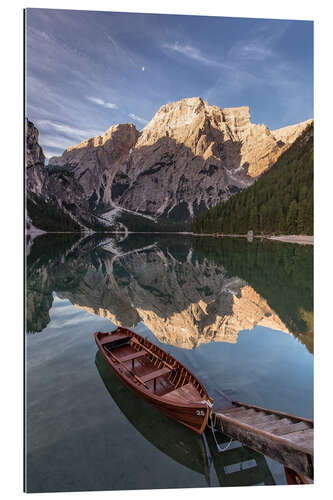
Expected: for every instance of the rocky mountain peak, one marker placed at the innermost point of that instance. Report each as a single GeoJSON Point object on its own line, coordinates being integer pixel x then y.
{"type": "Point", "coordinates": [289, 134]}
{"type": "Point", "coordinates": [177, 118]}
{"type": "Point", "coordinates": [192, 155]}
{"type": "Point", "coordinates": [114, 141]}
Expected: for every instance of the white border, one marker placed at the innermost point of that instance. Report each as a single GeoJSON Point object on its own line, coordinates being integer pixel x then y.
{"type": "Point", "coordinates": [12, 241]}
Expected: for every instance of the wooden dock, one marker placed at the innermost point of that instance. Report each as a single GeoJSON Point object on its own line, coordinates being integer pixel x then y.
{"type": "Point", "coordinates": [286, 438]}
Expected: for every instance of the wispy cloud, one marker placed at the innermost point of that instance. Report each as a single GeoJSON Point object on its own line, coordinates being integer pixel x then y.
{"type": "Point", "coordinates": [100, 102]}
{"type": "Point", "coordinates": [191, 52]}
{"type": "Point", "coordinates": [67, 130]}
{"type": "Point", "coordinates": [53, 141]}
{"type": "Point", "coordinates": [255, 65]}
{"type": "Point", "coordinates": [55, 137]}
{"type": "Point", "coordinates": [254, 51]}
{"type": "Point", "coordinates": [138, 119]}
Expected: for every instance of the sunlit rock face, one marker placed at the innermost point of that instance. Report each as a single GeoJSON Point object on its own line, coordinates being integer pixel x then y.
{"type": "Point", "coordinates": [184, 303]}
{"type": "Point", "coordinates": [193, 155]}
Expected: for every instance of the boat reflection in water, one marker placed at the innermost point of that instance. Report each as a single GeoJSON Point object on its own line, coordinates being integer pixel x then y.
{"type": "Point", "coordinates": [173, 439]}
{"type": "Point", "coordinates": [237, 466]}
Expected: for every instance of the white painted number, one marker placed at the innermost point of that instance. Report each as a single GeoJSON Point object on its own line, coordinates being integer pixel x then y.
{"type": "Point", "coordinates": [200, 412]}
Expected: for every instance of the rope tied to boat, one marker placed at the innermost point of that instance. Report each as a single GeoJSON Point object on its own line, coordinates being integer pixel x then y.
{"type": "Point", "coordinates": [213, 427]}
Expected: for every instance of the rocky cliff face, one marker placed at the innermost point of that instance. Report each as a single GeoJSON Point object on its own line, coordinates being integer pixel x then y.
{"type": "Point", "coordinates": [189, 157]}
{"type": "Point", "coordinates": [192, 155]}
{"type": "Point", "coordinates": [34, 159]}
{"type": "Point", "coordinates": [96, 161]}
{"type": "Point", "coordinates": [77, 185]}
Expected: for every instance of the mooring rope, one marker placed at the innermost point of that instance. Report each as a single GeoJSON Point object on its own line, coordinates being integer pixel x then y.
{"type": "Point", "coordinates": [213, 428]}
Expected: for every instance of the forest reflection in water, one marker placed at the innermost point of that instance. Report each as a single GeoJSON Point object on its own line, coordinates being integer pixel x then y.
{"type": "Point", "coordinates": [187, 291]}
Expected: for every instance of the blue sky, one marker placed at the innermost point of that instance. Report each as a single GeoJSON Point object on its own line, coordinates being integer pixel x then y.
{"type": "Point", "coordinates": [88, 70]}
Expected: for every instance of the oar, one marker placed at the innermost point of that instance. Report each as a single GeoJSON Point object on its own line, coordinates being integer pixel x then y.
{"type": "Point", "coordinates": [128, 369]}
{"type": "Point", "coordinates": [151, 352]}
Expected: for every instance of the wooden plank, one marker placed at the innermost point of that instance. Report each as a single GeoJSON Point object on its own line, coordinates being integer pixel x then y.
{"type": "Point", "coordinates": [301, 434]}
{"type": "Point", "coordinates": [134, 355]}
{"type": "Point", "coordinates": [155, 374]}
{"type": "Point", "coordinates": [275, 422]}
{"type": "Point", "coordinates": [114, 338]}
{"type": "Point", "coordinates": [259, 419]}
{"type": "Point", "coordinates": [238, 412]}
{"type": "Point", "coordinates": [305, 438]}
{"type": "Point", "coordinates": [249, 416]}
{"type": "Point", "coordinates": [293, 455]}
{"type": "Point", "coordinates": [188, 392]}
{"type": "Point", "coordinates": [282, 429]}
{"type": "Point", "coordinates": [276, 412]}
{"type": "Point", "coordinates": [235, 409]}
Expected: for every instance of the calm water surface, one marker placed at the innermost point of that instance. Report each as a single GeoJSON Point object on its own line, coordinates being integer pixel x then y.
{"type": "Point", "coordinates": [238, 314]}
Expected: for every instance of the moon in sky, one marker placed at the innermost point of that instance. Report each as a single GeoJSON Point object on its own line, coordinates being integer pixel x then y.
{"type": "Point", "coordinates": [143, 68]}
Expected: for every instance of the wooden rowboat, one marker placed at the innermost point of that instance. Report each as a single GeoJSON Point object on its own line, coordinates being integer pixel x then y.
{"type": "Point", "coordinates": [157, 377]}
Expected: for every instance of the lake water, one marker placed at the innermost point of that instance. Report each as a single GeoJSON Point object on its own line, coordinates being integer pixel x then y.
{"type": "Point", "coordinates": [238, 314]}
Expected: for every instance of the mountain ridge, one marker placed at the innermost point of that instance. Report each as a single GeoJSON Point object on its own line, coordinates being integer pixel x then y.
{"type": "Point", "coordinates": [190, 156]}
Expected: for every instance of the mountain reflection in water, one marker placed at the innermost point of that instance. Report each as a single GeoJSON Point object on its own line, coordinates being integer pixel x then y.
{"type": "Point", "coordinates": [187, 291]}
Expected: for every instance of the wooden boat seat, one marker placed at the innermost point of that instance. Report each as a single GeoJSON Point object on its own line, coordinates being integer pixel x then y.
{"type": "Point", "coordinates": [153, 375]}
{"type": "Point", "coordinates": [133, 355]}
{"type": "Point", "coordinates": [115, 338]}
{"type": "Point", "coordinates": [187, 392]}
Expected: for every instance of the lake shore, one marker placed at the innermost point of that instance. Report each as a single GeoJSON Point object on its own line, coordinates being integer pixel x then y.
{"type": "Point", "coordinates": [293, 238]}
{"type": "Point", "coordinates": [301, 239]}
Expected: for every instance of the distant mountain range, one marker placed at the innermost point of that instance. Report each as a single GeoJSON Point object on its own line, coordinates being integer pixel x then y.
{"type": "Point", "coordinates": [188, 158]}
